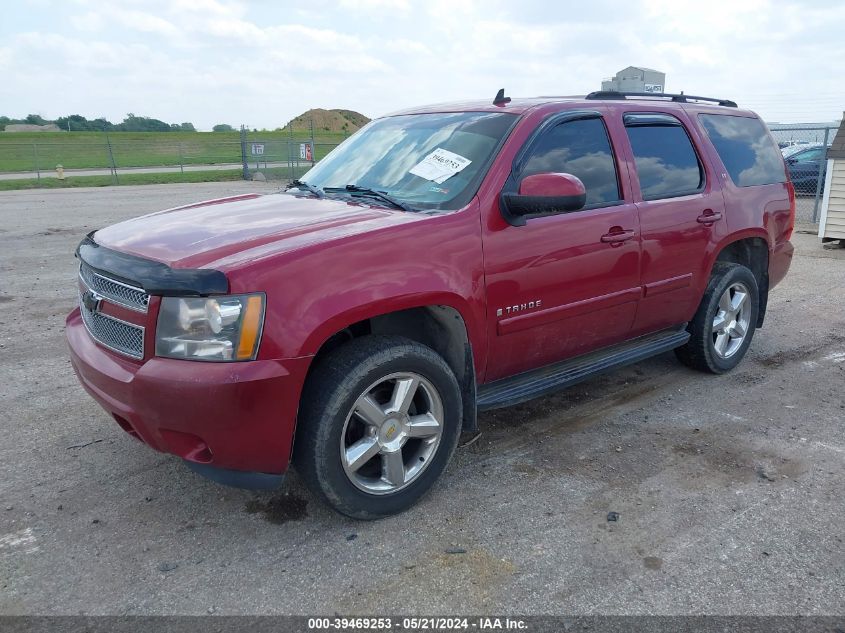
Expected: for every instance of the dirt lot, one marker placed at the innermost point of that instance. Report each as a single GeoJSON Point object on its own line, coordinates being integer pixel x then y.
{"type": "Point", "coordinates": [728, 489]}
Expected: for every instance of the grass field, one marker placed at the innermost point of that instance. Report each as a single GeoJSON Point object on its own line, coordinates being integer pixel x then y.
{"type": "Point", "coordinates": [124, 179]}
{"type": "Point", "coordinates": [276, 174]}
{"type": "Point", "coordinates": [24, 151]}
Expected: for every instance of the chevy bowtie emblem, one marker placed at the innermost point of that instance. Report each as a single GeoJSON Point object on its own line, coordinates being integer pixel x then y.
{"type": "Point", "coordinates": [91, 300]}
{"type": "Point", "coordinates": [391, 431]}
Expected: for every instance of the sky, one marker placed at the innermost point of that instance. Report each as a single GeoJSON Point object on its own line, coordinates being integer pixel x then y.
{"type": "Point", "coordinates": [261, 63]}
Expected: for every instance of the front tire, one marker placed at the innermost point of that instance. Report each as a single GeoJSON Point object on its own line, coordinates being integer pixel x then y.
{"type": "Point", "coordinates": [379, 421]}
{"type": "Point", "coordinates": [723, 326]}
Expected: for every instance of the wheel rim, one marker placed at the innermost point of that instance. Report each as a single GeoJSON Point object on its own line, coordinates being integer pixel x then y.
{"type": "Point", "coordinates": [392, 433]}
{"type": "Point", "coordinates": [732, 320]}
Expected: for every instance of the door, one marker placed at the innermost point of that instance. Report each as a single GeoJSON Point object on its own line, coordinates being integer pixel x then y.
{"type": "Point", "coordinates": [565, 283]}
{"type": "Point", "coordinates": [681, 215]}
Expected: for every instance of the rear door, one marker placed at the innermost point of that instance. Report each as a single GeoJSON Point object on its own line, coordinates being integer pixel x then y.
{"type": "Point", "coordinates": [753, 180]}
{"type": "Point", "coordinates": [681, 213]}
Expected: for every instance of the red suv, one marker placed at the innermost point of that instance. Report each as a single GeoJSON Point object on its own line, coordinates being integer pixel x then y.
{"type": "Point", "coordinates": [441, 261]}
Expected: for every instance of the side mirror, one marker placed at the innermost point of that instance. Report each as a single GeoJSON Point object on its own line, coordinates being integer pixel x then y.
{"type": "Point", "coordinates": [542, 194]}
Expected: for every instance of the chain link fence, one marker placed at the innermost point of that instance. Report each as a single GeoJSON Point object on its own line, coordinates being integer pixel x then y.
{"type": "Point", "coordinates": [91, 158]}
{"type": "Point", "coordinates": [805, 150]}
{"type": "Point", "coordinates": [265, 157]}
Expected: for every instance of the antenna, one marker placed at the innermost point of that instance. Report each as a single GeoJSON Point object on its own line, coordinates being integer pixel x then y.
{"type": "Point", "coordinates": [501, 99]}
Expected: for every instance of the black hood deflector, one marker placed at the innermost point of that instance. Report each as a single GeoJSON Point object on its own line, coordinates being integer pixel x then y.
{"type": "Point", "coordinates": [155, 278]}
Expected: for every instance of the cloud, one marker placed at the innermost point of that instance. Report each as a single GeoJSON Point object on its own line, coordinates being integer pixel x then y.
{"type": "Point", "coordinates": [90, 21]}
{"type": "Point", "coordinates": [370, 5]}
{"type": "Point", "coordinates": [263, 63]}
{"type": "Point", "coordinates": [144, 22]}
{"type": "Point", "coordinates": [205, 7]}
{"type": "Point", "coordinates": [34, 53]}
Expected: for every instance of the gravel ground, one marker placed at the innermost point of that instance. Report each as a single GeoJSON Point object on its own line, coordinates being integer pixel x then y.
{"type": "Point", "coordinates": [728, 489]}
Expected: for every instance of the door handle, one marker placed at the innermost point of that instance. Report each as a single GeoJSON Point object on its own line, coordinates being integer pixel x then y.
{"type": "Point", "coordinates": [617, 235]}
{"type": "Point", "coordinates": [709, 217]}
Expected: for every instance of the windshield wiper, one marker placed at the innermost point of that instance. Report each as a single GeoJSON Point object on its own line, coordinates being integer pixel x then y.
{"type": "Point", "coordinates": [301, 184]}
{"type": "Point", "coordinates": [366, 191]}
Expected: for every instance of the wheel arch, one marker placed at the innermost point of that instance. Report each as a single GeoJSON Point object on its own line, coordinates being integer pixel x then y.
{"type": "Point", "coordinates": [440, 326]}
{"type": "Point", "coordinates": [752, 250]}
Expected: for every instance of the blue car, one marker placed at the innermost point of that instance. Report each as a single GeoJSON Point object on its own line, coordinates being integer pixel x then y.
{"type": "Point", "coordinates": [806, 164]}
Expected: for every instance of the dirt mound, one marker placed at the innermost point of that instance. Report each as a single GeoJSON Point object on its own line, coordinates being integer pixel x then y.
{"type": "Point", "coordinates": [330, 120]}
{"type": "Point", "coordinates": [28, 127]}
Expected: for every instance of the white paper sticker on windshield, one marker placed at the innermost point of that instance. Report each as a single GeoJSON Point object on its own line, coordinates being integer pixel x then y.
{"type": "Point", "coordinates": [440, 165]}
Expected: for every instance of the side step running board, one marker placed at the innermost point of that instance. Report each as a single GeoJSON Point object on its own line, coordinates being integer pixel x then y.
{"type": "Point", "coordinates": [538, 382]}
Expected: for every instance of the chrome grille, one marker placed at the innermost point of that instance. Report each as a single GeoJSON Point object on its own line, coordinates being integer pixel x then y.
{"type": "Point", "coordinates": [115, 291]}
{"type": "Point", "coordinates": [120, 336]}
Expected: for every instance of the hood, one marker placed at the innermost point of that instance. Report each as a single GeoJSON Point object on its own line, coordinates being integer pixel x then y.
{"type": "Point", "coordinates": [196, 235]}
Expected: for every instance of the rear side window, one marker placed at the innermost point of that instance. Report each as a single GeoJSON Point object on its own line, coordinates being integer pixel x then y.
{"type": "Point", "coordinates": [808, 156]}
{"type": "Point", "coordinates": [748, 152]}
{"type": "Point", "coordinates": [667, 165]}
{"type": "Point", "coordinates": [580, 148]}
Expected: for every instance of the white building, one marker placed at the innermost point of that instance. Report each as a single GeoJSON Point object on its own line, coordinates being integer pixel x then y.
{"type": "Point", "coordinates": [832, 222]}
{"type": "Point", "coordinates": [635, 79]}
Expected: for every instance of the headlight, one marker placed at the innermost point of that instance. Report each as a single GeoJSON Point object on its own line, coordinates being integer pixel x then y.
{"type": "Point", "coordinates": [214, 328]}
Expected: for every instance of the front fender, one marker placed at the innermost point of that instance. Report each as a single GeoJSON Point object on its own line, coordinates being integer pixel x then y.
{"type": "Point", "coordinates": [318, 291]}
{"type": "Point", "coordinates": [382, 307]}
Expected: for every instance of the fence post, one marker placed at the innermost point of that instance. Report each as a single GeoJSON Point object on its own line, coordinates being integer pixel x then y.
{"type": "Point", "coordinates": [313, 148]}
{"type": "Point", "coordinates": [243, 154]}
{"type": "Point", "coordinates": [290, 150]}
{"type": "Point", "coordinates": [111, 160]}
{"type": "Point", "coordinates": [181, 160]}
{"type": "Point", "coordinates": [37, 168]}
{"type": "Point", "coordinates": [820, 175]}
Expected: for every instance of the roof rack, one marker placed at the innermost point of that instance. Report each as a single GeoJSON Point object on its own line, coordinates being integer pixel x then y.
{"type": "Point", "coordinates": [678, 98]}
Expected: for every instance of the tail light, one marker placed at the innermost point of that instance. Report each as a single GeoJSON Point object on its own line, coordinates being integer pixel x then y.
{"type": "Point", "coordinates": [790, 188]}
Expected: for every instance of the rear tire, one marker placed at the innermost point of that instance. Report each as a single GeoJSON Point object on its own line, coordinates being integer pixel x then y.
{"type": "Point", "coordinates": [379, 421]}
{"type": "Point", "coordinates": [723, 326]}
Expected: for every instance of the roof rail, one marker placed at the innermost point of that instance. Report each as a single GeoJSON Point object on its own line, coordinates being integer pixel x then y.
{"type": "Point", "coordinates": [678, 98]}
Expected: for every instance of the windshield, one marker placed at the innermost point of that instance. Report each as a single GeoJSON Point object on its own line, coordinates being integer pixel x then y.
{"type": "Point", "coordinates": [427, 161]}
{"type": "Point", "coordinates": [794, 149]}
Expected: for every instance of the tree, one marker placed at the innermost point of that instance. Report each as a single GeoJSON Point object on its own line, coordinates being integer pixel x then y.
{"type": "Point", "coordinates": [222, 127]}
{"type": "Point", "coordinates": [72, 123]}
{"type": "Point", "coordinates": [78, 123]}
{"type": "Point", "coordinates": [134, 123]}
{"type": "Point", "coordinates": [101, 125]}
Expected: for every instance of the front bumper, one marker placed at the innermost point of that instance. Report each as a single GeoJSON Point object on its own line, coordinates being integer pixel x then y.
{"type": "Point", "coordinates": [232, 420]}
